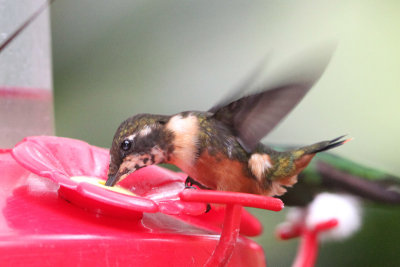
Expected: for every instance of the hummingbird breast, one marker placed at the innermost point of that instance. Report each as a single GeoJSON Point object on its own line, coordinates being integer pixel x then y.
{"type": "Point", "coordinates": [209, 153]}
{"type": "Point", "coordinates": [218, 172]}
{"type": "Point", "coordinates": [185, 130]}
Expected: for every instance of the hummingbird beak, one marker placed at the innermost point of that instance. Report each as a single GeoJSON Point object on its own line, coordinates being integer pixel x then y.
{"type": "Point", "coordinates": [115, 178]}
{"type": "Point", "coordinates": [112, 180]}
{"type": "Point", "coordinates": [117, 172]}
{"type": "Point", "coordinates": [132, 163]}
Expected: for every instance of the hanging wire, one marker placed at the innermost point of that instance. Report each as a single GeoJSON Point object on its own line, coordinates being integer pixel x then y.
{"type": "Point", "coordinates": [24, 25]}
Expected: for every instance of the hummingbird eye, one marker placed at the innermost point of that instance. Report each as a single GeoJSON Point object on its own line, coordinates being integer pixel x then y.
{"type": "Point", "coordinates": [126, 145]}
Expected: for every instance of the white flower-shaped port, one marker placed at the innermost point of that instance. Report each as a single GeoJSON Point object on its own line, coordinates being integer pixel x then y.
{"type": "Point", "coordinates": [328, 217]}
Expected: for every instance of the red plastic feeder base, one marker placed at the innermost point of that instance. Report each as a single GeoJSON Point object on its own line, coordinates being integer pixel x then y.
{"type": "Point", "coordinates": [40, 228]}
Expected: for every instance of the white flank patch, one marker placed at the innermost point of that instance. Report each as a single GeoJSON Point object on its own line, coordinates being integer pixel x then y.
{"type": "Point", "coordinates": [259, 165]}
{"type": "Point", "coordinates": [145, 131]}
{"type": "Point", "coordinates": [186, 132]}
{"type": "Point", "coordinates": [278, 187]}
{"type": "Point", "coordinates": [345, 208]}
{"type": "Point", "coordinates": [179, 124]}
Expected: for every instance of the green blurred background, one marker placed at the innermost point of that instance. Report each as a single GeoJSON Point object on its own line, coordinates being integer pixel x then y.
{"type": "Point", "coordinates": [113, 59]}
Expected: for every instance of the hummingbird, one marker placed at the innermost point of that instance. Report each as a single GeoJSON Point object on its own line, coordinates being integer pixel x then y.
{"type": "Point", "coordinates": [220, 149]}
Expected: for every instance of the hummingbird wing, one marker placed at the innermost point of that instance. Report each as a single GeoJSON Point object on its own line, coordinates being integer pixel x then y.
{"type": "Point", "coordinates": [328, 172]}
{"type": "Point", "coordinates": [253, 116]}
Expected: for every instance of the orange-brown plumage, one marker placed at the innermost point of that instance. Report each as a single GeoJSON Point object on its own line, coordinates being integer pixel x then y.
{"type": "Point", "coordinates": [221, 173]}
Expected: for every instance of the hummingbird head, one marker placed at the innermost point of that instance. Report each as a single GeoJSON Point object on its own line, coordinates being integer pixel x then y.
{"type": "Point", "coordinates": [139, 141]}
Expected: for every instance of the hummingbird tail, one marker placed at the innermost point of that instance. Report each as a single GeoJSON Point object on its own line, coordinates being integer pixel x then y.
{"type": "Point", "coordinates": [326, 145]}
{"type": "Point", "coordinates": [281, 177]}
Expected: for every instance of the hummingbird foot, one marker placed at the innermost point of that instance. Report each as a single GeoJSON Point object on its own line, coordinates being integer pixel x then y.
{"type": "Point", "coordinates": [190, 183]}
{"type": "Point", "coordinates": [208, 208]}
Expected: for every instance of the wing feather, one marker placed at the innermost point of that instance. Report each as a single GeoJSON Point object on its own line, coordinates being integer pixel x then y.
{"type": "Point", "coordinates": [254, 116]}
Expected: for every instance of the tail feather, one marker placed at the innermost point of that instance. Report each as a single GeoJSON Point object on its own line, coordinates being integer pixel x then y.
{"type": "Point", "coordinates": [285, 167]}
{"type": "Point", "coordinates": [326, 145]}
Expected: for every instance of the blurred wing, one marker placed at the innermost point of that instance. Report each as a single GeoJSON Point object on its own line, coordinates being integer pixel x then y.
{"type": "Point", "coordinates": [254, 116]}
{"type": "Point", "coordinates": [246, 84]}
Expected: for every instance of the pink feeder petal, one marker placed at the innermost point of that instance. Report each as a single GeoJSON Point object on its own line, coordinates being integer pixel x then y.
{"type": "Point", "coordinates": [97, 195]}
{"type": "Point", "coordinates": [45, 155]}
{"type": "Point", "coordinates": [60, 158]}
{"type": "Point", "coordinates": [148, 180]}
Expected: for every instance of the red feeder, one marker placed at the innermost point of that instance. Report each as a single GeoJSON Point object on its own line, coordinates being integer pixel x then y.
{"type": "Point", "coordinates": [50, 220]}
